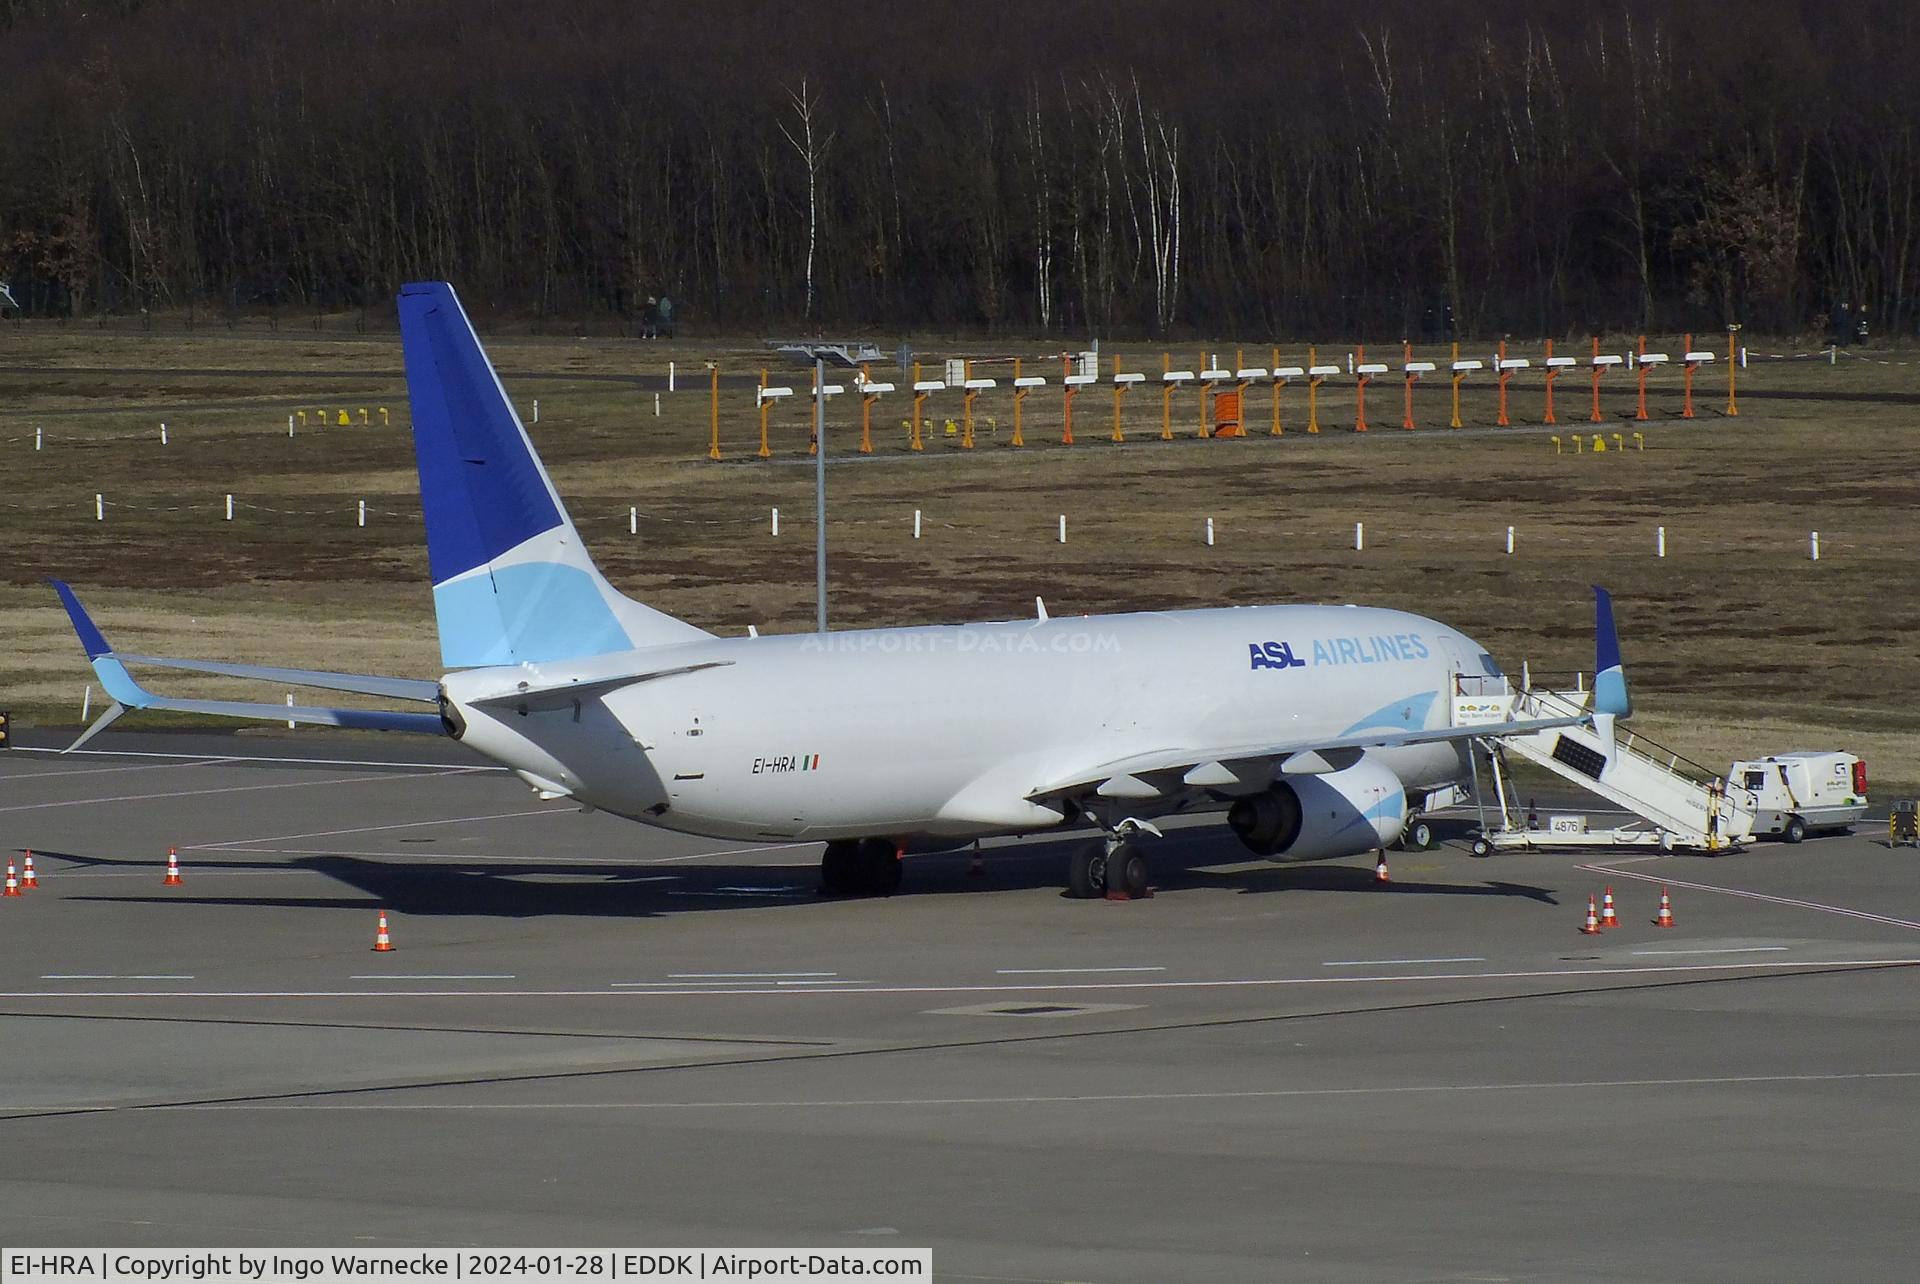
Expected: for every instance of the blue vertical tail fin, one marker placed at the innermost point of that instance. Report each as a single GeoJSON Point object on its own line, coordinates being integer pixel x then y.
{"type": "Point", "coordinates": [1609, 675]}
{"type": "Point", "coordinates": [512, 582]}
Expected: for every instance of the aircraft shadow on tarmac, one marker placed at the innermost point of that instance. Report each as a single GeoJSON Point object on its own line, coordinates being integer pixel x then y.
{"type": "Point", "coordinates": [503, 889]}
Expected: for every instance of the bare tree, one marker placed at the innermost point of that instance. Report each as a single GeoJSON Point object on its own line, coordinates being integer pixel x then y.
{"type": "Point", "coordinates": [810, 142]}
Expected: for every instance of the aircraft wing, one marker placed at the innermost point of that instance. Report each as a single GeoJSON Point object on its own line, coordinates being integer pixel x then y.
{"type": "Point", "coordinates": [127, 693]}
{"type": "Point", "coordinates": [1151, 775]}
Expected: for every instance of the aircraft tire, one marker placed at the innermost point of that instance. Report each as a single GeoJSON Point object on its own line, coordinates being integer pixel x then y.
{"type": "Point", "coordinates": [1127, 871]}
{"type": "Point", "coordinates": [840, 868]}
{"type": "Point", "coordinates": [879, 867]}
{"type": "Point", "coordinates": [1087, 871]}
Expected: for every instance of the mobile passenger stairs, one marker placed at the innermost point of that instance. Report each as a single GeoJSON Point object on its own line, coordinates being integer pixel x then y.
{"type": "Point", "coordinates": [1681, 804]}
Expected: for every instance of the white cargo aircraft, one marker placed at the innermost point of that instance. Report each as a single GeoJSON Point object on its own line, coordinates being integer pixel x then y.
{"type": "Point", "coordinates": [1314, 728]}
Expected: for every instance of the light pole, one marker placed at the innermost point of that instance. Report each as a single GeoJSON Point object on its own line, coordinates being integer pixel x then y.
{"type": "Point", "coordinates": [819, 353]}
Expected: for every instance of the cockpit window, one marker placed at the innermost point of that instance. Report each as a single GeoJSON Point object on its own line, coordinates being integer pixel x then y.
{"type": "Point", "coordinates": [1490, 666]}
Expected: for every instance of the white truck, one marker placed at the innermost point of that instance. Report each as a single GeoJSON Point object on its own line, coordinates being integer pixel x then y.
{"type": "Point", "coordinates": [1794, 794]}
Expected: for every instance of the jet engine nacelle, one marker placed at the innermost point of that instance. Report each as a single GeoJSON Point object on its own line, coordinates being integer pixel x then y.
{"type": "Point", "coordinates": [1340, 813]}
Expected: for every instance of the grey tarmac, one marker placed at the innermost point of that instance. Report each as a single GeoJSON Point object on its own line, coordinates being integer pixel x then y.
{"type": "Point", "coordinates": [590, 1032]}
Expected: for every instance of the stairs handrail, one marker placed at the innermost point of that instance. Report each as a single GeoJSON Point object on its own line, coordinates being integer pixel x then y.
{"type": "Point", "coordinates": [1554, 704]}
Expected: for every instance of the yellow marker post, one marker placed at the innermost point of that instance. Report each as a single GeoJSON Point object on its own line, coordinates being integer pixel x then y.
{"type": "Point", "coordinates": [1313, 392]}
{"type": "Point", "coordinates": [919, 401]}
{"type": "Point", "coordinates": [1599, 444]}
{"type": "Point", "coordinates": [1019, 395]}
{"type": "Point", "coordinates": [1619, 442]}
{"type": "Point", "coordinates": [1458, 375]}
{"type": "Point", "coordinates": [1556, 445]}
{"type": "Point", "coordinates": [966, 405]}
{"type": "Point", "coordinates": [1640, 441]}
{"type": "Point", "coordinates": [1205, 395]}
{"type": "Point", "coordinates": [1279, 382]}
{"type": "Point", "coordinates": [344, 421]}
{"type": "Point", "coordinates": [866, 411]}
{"type": "Point", "coordinates": [303, 417]}
{"type": "Point", "coordinates": [363, 417]}
{"type": "Point", "coordinates": [1119, 394]}
{"type": "Point", "coordinates": [383, 417]}
{"type": "Point", "coordinates": [1733, 364]}
{"type": "Point", "coordinates": [766, 408]}
{"type": "Point", "coordinates": [713, 410]}
{"type": "Point", "coordinates": [1166, 397]}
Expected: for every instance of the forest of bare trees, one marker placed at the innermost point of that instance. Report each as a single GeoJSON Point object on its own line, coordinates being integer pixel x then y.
{"type": "Point", "coordinates": [1129, 167]}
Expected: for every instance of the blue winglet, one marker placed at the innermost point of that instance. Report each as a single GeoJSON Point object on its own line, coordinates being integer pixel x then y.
{"type": "Point", "coordinates": [113, 675]}
{"type": "Point", "coordinates": [1609, 677]}
{"type": "Point", "coordinates": [83, 625]}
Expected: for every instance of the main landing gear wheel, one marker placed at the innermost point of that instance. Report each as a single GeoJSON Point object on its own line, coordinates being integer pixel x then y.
{"type": "Point", "coordinates": [862, 867]}
{"type": "Point", "coordinates": [1126, 872]}
{"type": "Point", "coordinates": [1087, 871]}
{"type": "Point", "coordinates": [880, 862]}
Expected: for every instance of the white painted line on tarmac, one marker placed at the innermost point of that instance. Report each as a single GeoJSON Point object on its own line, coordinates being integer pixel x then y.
{"type": "Point", "coordinates": [671, 985]}
{"type": "Point", "coordinates": [228, 789]}
{"type": "Point", "coordinates": [246, 757]}
{"type": "Point", "coordinates": [110, 976]}
{"type": "Point", "coordinates": [1062, 971]}
{"type": "Point", "coordinates": [30, 776]}
{"type": "Point", "coordinates": [740, 976]}
{"type": "Point", "coordinates": [823, 982]}
{"type": "Point", "coordinates": [1090, 1098]}
{"type": "Point", "coordinates": [1399, 962]}
{"type": "Point", "coordinates": [1234, 983]}
{"type": "Point", "coordinates": [433, 976]}
{"type": "Point", "coordinates": [1733, 949]}
{"type": "Point", "coordinates": [1755, 896]}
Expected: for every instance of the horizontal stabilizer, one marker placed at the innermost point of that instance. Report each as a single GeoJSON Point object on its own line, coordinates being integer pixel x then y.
{"type": "Point", "coordinates": [127, 693]}
{"type": "Point", "coordinates": [420, 689]}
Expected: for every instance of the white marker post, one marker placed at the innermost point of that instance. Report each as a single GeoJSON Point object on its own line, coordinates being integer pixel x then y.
{"type": "Point", "coordinates": [363, 512]}
{"type": "Point", "coordinates": [1359, 537]}
{"type": "Point", "coordinates": [536, 410]}
{"type": "Point", "coordinates": [633, 521]}
{"type": "Point", "coordinates": [1063, 528]}
{"type": "Point", "coordinates": [99, 508]}
{"type": "Point", "coordinates": [1509, 541]}
{"type": "Point", "coordinates": [1660, 542]}
{"type": "Point", "coordinates": [163, 432]}
{"type": "Point", "coordinates": [290, 722]}
{"type": "Point", "coordinates": [229, 508]}
{"type": "Point", "coordinates": [1209, 532]}
{"type": "Point", "coordinates": [776, 521]}
{"type": "Point", "coordinates": [36, 437]}
{"type": "Point", "coordinates": [656, 405]}
{"type": "Point", "coordinates": [86, 702]}
{"type": "Point", "coordinates": [289, 426]}
{"type": "Point", "coordinates": [916, 523]}
{"type": "Point", "coordinates": [1815, 540]}
{"type": "Point", "coordinates": [669, 376]}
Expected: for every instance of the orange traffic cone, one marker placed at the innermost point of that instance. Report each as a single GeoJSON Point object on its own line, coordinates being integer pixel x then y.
{"type": "Point", "coordinates": [13, 882]}
{"type": "Point", "coordinates": [1607, 917]}
{"type": "Point", "coordinates": [1592, 926]}
{"type": "Point", "coordinates": [173, 878]}
{"type": "Point", "coordinates": [1380, 874]}
{"type": "Point", "coordinates": [27, 877]}
{"type": "Point", "coordinates": [382, 943]}
{"type": "Point", "coordinates": [1666, 910]}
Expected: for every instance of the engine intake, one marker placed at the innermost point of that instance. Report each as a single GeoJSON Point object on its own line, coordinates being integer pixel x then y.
{"type": "Point", "coordinates": [1323, 817]}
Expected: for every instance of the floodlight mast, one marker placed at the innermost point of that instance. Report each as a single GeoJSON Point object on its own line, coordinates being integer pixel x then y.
{"type": "Point", "coordinates": [844, 354]}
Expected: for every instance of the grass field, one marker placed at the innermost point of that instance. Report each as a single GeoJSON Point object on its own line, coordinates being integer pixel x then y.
{"type": "Point", "coordinates": [1736, 642]}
